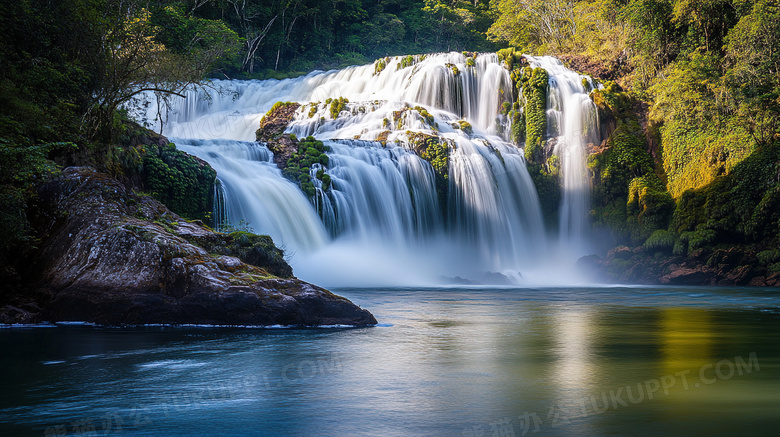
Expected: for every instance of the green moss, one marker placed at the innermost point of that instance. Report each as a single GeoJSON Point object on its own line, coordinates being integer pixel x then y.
{"type": "Point", "coordinates": [649, 207]}
{"type": "Point", "coordinates": [427, 117]}
{"type": "Point", "coordinates": [661, 240]}
{"type": "Point", "coordinates": [336, 106]}
{"type": "Point", "coordinates": [310, 151]}
{"type": "Point", "coordinates": [380, 65]}
{"type": "Point", "coordinates": [257, 250]}
{"type": "Point", "coordinates": [278, 105]}
{"type": "Point", "coordinates": [511, 56]}
{"type": "Point", "coordinates": [465, 126]}
{"type": "Point", "coordinates": [768, 257]}
{"type": "Point", "coordinates": [470, 62]}
{"type": "Point", "coordinates": [695, 155]}
{"type": "Point", "coordinates": [182, 182]}
{"type": "Point", "coordinates": [325, 182]}
{"type": "Point", "coordinates": [548, 188]}
{"type": "Point", "coordinates": [534, 86]}
{"type": "Point", "coordinates": [518, 126]}
{"type": "Point", "coordinates": [505, 108]}
{"type": "Point", "coordinates": [436, 151]}
{"type": "Point", "coordinates": [586, 85]}
{"type": "Point", "coordinates": [406, 61]}
{"type": "Point", "coordinates": [628, 195]}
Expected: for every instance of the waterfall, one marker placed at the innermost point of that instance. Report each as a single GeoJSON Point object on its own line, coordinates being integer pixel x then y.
{"type": "Point", "coordinates": [572, 120]}
{"type": "Point", "coordinates": [390, 216]}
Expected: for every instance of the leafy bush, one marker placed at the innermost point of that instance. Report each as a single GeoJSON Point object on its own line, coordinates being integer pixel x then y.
{"type": "Point", "coordinates": [182, 182]}
{"type": "Point", "coordinates": [661, 240]}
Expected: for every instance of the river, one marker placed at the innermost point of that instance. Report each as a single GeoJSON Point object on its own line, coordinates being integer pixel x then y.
{"type": "Point", "coordinates": [443, 362]}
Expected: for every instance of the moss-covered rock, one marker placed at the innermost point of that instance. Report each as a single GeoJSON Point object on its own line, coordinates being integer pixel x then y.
{"type": "Point", "coordinates": [306, 153]}
{"type": "Point", "coordinates": [184, 183]}
{"type": "Point", "coordinates": [628, 196]}
{"type": "Point", "coordinates": [512, 58]}
{"type": "Point", "coordinates": [534, 88]}
{"type": "Point", "coordinates": [742, 207]}
{"type": "Point", "coordinates": [380, 65]}
{"type": "Point", "coordinates": [149, 163]}
{"type": "Point", "coordinates": [336, 106]}
{"type": "Point", "coordinates": [464, 126]}
{"type": "Point", "coordinates": [436, 151]}
{"type": "Point", "coordinates": [275, 121]}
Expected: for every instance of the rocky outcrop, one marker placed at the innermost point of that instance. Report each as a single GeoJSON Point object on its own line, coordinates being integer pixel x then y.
{"type": "Point", "coordinates": [113, 257]}
{"type": "Point", "coordinates": [733, 266]}
{"type": "Point", "coordinates": [271, 132]}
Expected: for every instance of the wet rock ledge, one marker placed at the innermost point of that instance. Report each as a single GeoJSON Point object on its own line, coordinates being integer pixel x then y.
{"type": "Point", "coordinates": [113, 257]}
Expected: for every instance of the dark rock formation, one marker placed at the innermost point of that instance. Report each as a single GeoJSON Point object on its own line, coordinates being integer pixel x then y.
{"type": "Point", "coordinates": [731, 266]}
{"type": "Point", "coordinates": [271, 132]}
{"type": "Point", "coordinates": [113, 257]}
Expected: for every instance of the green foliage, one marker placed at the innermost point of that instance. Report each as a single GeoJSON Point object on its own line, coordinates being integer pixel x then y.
{"type": "Point", "coordinates": [741, 207]}
{"type": "Point", "coordinates": [280, 35]}
{"type": "Point", "coordinates": [181, 182]}
{"type": "Point", "coordinates": [453, 68]}
{"type": "Point", "coordinates": [534, 88]}
{"type": "Point", "coordinates": [533, 23]}
{"type": "Point", "coordinates": [257, 250]}
{"type": "Point", "coordinates": [406, 61]}
{"type": "Point", "coordinates": [425, 115]}
{"type": "Point", "coordinates": [465, 126]}
{"type": "Point", "coordinates": [297, 168]}
{"type": "Point", "coordinates": [688, 92]}
{"type": "Point", "coordinates": [628, 196]}
{"type": "Point", "coordinates": [518, 125]}
{"type": "Point", "coordinates": [336, 106]}
{"type": "Point", "coordinates": [768, 257]}
{"type": "Point", "coordinates": [661, 240]}
{"type": "Point", "coordinates": [511, 56]}
{"type": "Point", "coordinates": [649, 206]}
{"type": "Point", "coordinates": [379, 65]}
{"type": "Point", "coordinates": [437, 153]}
{"type": "Point", "coordinates": [548, 187]}
{"type": "Point", "coordinates": [695, 154]}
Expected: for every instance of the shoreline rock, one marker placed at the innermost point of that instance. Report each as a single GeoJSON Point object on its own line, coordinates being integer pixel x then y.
{"type": "Point", "coordinates": [116, 258]}
{"type": "Point", "coordinates": [732, 266]}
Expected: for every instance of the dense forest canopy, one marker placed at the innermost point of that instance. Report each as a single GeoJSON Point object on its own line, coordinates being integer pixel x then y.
{"type": "Point", "coordinates": [703, 76]}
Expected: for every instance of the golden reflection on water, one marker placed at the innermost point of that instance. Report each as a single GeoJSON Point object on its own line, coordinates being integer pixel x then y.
{"type": "Point", "coordinates": [686, 339]}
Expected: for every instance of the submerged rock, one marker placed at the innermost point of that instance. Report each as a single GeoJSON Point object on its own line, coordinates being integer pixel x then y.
{"type": "Point", "coordinates": [114, 257]}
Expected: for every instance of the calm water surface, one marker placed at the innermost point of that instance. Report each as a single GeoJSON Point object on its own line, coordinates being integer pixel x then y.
{"type": "Point", "coordinates": [443, 362]}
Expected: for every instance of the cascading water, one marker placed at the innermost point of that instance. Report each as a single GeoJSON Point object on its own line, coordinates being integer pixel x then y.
{"type": "Point", "coordinates": [389, 216]}
{"type": "Point", "coordinates": [572, 124]}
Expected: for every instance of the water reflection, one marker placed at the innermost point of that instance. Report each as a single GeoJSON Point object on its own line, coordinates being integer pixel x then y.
{"type": "Point", "coordinates": [446, 362]}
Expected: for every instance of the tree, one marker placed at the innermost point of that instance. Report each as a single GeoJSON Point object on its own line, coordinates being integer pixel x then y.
{"type": "Point", "coordinates": [134, 59]}
{"type": "Point", "coordinates": [530, 24]}
{"type": "Point", "coordinates": [752, 79]}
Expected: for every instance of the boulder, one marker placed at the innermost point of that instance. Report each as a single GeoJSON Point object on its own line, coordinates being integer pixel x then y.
{"type": "Point", "coordinates": [113, 257]}
{"type": "Point", "coordinates": [680, 275]}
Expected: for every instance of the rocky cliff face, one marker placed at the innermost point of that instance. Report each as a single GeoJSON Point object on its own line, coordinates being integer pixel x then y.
{"type": "Point", "coordinates": [113, 257]}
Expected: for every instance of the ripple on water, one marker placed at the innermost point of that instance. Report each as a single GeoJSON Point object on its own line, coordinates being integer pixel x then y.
{"type": "Point", "coordinates": [171, 365]}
